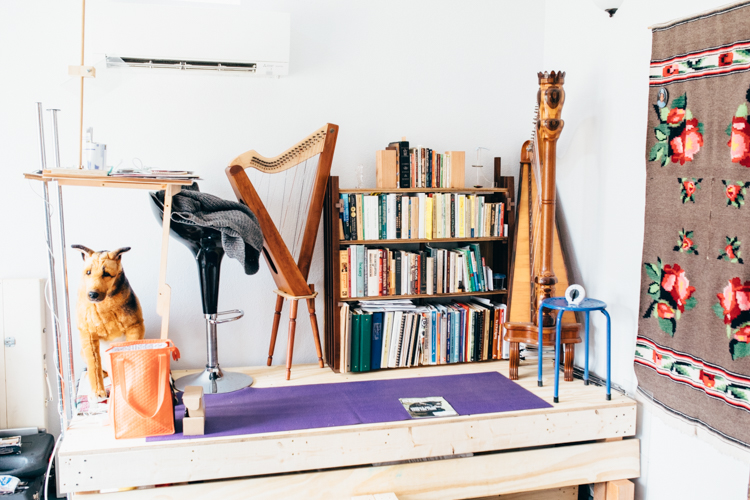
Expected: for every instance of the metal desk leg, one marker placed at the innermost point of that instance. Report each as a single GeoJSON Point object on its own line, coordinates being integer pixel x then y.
{"type": "Point", "coordinates": [586, 363]}
{"type": "Point", "coordinates": [541, 329]}
{"type": "Point", "coordinates": [558, 334]}
{"type": "Point", "coordinates": [70, 372]}
{"type": "Point", "coordinates": [609, 353]}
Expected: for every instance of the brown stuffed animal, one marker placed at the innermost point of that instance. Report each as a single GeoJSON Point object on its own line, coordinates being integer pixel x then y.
{"type": "Point", "coordinates": [107, 310]}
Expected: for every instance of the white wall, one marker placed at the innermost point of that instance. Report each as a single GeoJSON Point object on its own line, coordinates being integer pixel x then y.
{"type": "Point", "coordinates": [601, 178]}
{"type": "Point", "coordinates": [445, 74]}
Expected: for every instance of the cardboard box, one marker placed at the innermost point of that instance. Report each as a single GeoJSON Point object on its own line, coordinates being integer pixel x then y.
{"type": "Point", "coordinates": [193, 426]}
{"type": "Point", "coordinates": [192, 398]}
{"type": "Point", "coordinates": [386, 169]}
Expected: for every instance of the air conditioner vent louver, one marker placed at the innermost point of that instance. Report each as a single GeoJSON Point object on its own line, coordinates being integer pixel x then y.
{"type": "Point", "coordinates": [135, 62]}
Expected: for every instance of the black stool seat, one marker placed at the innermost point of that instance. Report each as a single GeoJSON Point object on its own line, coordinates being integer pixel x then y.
{"type": "Point", "coordinates": [205, 244]}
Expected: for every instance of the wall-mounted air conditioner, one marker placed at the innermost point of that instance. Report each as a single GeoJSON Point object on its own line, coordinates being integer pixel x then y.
{"type": "Point", "coordinates": [187, 36]}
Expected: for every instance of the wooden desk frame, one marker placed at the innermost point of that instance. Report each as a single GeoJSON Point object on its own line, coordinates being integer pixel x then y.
{"type": "Point", "coordinates": [584, 439]}
{"type": "Point", "coordinates": [64, 340]}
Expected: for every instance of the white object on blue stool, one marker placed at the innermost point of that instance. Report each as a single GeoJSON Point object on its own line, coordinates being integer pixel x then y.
{"type": "Point", "coordinates": [575, 295]}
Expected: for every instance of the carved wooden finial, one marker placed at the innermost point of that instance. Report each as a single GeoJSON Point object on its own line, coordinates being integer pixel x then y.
{"type": "Point", "coordinates": [553, 78]}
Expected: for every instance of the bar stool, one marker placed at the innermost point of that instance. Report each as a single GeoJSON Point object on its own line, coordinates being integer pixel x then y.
{"type": "Point", "coordinates": [205, 243]}
{"type": "Point", "coordinates": [561, 304]}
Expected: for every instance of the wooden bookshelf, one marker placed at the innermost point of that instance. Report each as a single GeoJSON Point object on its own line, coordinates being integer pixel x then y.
{"type": "Point", "coordinates": [425, 296]}
{"type": "Point", "coordinates": [426, 241]}
{"type": "Point", "coordinates": [427, 190]}
{"type": "Point", "coordinates": [497, 251]}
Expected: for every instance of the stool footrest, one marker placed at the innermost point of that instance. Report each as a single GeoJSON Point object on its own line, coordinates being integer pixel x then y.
{"type": "Point", "coordinates": [211, 318]}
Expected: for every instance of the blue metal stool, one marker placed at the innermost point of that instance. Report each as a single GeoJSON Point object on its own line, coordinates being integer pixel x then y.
{"type": "Point", "coordinates": [587, 305]}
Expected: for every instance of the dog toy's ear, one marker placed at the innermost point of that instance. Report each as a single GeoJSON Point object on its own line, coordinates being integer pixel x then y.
{"type": "Point", "coordinates": [85, 252]}
{"type": "Point", "coordinates": [118, 253]}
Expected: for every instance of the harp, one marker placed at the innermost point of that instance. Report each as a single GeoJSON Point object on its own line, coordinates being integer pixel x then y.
{"type": "Point", "coordinates": [539, 267]}
{"type": "Point", "coordinates": [293, 184]}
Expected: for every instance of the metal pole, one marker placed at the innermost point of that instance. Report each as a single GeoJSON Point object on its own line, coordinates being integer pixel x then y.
{"type": "Point", "coordinates": [68, 344]}
{"type": "Point", "coordinates": [52, 281]}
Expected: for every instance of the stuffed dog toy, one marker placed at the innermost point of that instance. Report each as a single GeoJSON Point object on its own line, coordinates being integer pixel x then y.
{"type": "Point", "coordinates": [107, 311]}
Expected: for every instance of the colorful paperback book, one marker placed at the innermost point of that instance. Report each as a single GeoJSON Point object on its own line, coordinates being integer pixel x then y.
{"type": "Point", "coordinates": [377, 340]}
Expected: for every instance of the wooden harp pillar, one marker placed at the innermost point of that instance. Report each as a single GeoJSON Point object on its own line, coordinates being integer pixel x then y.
{"type": "Point", "coordinates": [289, 276]}
{"type": "Point", "coordinates": [539, 266]}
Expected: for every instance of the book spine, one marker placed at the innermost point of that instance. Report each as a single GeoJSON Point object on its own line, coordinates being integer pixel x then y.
{"type": "Point", "coordinates": [404, 165]}
{"type": "Point", "coordinates": [360, 201]}
{"type": "Point", "coordinates": [453, 215]}
{"type": "Point", "coordinates": [429, 168]}
{"type": "Point", "coordinates": [377, 340]}
{"type": "Point", "coordinates": [422, 273]}
{"type": "Point", "coordinates": [365, 343]}
{"type": "Point", "coordinates": [421, 215]}
{"type": "Point", "coordinates": [361, 271]}
{"type": "Point", "coordinates": [397, 265]}
{"type": "Point", "coordinates": [391, 217]}
{"type": "Point", "coordinates": [356, 335]}
{"type": "Point", "coordinates": [461, 215]}
{"type": "Point", "coordinates": [353, 216]}
{"type": "Point", "coordinates": [344, 272]}
{"type": "Point", "coordinates": [398, 217]}
{"type": "Point", "coordinates": [382, 218]}
{"type": "Point", "coordinates": [345, 216]}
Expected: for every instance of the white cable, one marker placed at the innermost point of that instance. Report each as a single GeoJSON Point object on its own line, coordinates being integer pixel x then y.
{"type": "Point", "coordinates": [49, 466]}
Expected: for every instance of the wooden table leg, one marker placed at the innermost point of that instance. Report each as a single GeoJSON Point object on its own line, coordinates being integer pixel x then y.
{"type": "Point", "coordinates": [621, 489]}
{"type": "Point", "coordinates": [275, 328]}
{"type": "Point", "coordinates": [290, 345]}
{"type": "Point", "coordinates": [569, 355]}
{"type": "Point", "coordinates": [314, 323]}
{"type": "Point", "coordinates": [515, 359]}
{"type": "Point", "coordinates": [165, 292]}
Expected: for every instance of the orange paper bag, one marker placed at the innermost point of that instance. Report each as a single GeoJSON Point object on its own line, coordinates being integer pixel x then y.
{"type": "Point", "coordinates": [141, 395]}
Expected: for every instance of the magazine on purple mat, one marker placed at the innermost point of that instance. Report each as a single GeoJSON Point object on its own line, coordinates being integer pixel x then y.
{"type": "Point", "coordinates": [428, 407]}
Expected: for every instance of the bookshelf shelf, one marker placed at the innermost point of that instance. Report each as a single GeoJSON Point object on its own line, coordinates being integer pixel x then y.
{"type": "Point", "coordinates": [434, 240]}
{"type": "Point", "coordinates": [425, 190]}
{"type": "Point", "coordinates": [424, 296]}
{"type": "Point", "coordinates": [497, 251]}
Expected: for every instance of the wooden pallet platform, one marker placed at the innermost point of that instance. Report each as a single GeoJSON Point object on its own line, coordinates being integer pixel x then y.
{"type": "Point", "coordinates": [578, 441]}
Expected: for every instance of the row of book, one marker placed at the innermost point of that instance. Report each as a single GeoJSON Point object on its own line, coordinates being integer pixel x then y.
{"type": "Point", "coordinates": [403, 334]}
{"type": "Point", "coordinates": [421, 216]}
{"type": "Point", "coordinates": [373, 272]}
{"type": "Point", "coordinates": [421, 167]}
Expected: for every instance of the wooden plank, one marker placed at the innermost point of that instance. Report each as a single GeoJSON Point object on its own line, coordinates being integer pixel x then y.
{"type": "Point", "coordinates": [423, 295]}
{"type": "Point", "coordinates": [600, 491]}
{"type": "Point", "coordinates": [165, 292]}
{"type": "Point", "coordinates": [621, 489]}
{"type": "Point", "coordinates": [564, 493]}
{"type": "Point", "coordinates": [91, 459]}
{"type": "Point", "coordinates": [470, 477]}
{"type": "Point", "coordinates": [433, 240]}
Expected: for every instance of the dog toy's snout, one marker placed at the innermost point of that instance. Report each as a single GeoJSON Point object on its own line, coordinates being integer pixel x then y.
{"type": "Point", "coordinates": [93, 295]}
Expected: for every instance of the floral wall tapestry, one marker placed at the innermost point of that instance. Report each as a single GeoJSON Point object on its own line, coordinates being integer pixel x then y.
{"type": "Point", "coordinates": [693, 348]}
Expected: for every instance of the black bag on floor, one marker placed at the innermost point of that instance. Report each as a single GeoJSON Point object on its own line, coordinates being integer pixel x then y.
{"type": "Point", "coordinates": [33, 459]}
{"type": "Point", "coordinates": [28, 489]}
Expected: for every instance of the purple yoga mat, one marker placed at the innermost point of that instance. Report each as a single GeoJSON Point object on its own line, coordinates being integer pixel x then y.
{"type": "Point", "coordinates": [273, 409]}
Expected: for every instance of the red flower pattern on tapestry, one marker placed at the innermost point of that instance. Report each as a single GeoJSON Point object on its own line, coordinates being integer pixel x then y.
{"type": "Point", "coordinates": [687, 144]}
{"type": "Point", "coordinates": [739, 141]}
{"type": "Point", "coordinates": [676, 115]}
{"type": "Point", "coordinates": [726, 59]}
{"type": "Point", "coordinates": [742, 334]}
{"type": "Point", "coordinates": [708, 379]}
{"type": "Point", "coordinates": [735, 299]}
{"type": "Point", "coordinates": [672, 69]}
{"type": "Point", "coordinates": [689, 187]}
{"type": "Point", "coordinates": [677, 284]}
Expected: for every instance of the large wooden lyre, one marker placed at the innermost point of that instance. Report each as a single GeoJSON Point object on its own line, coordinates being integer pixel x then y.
{"type": "Point", "coordinates": [540, 267]}
{"type": "Point", "coordinates": [299, 194]}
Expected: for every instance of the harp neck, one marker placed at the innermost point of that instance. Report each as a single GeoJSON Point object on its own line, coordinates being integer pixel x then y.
{"type": "Point", "coordinates": [549, 126]}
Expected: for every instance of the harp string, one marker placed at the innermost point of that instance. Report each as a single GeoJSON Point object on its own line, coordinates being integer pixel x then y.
{"type": "Point", "coordinates": [287, 196]}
